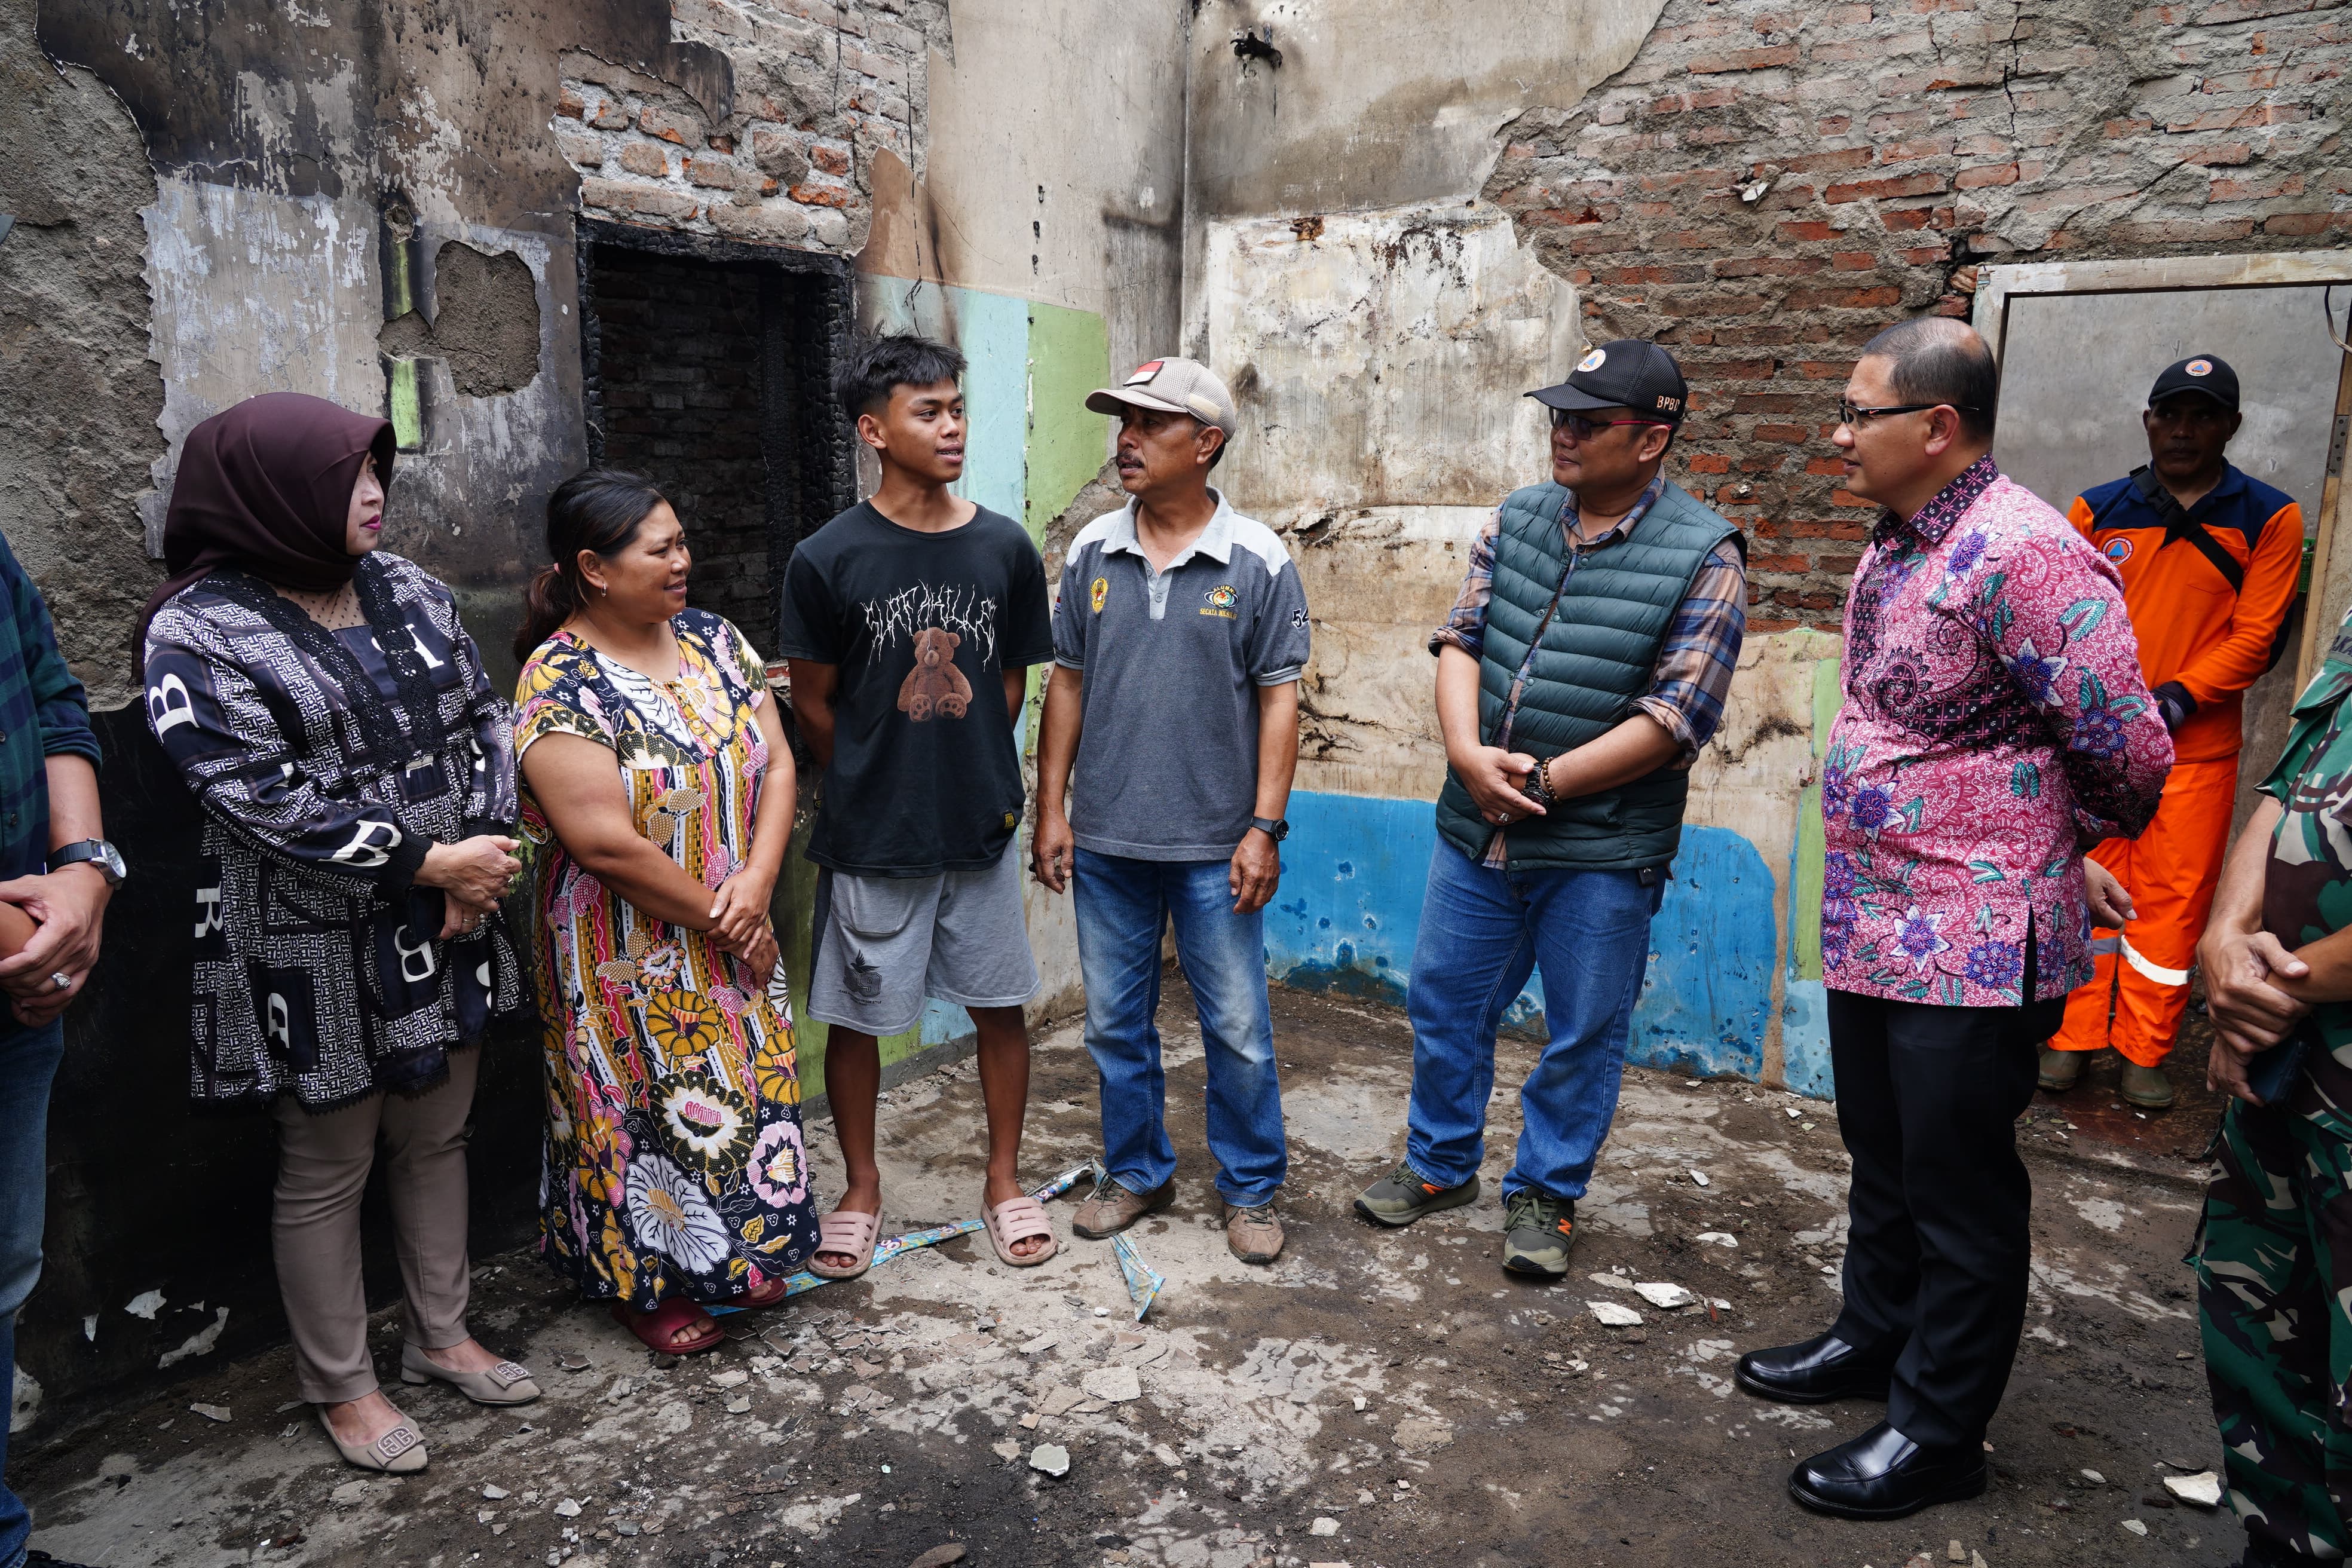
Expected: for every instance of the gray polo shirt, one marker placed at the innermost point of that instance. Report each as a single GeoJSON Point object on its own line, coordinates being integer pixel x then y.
{"type": "Point", "coordinates": [1167, 764]}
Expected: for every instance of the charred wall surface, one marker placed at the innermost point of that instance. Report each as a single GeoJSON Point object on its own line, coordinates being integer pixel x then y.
{"type": "Point", "coordinates": [377, 203]}
{"type": "Point", "coordinates": [1764, 187]}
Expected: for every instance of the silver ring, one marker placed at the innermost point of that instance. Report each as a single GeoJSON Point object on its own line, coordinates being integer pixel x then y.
{"type": "Point", "coordinates": [63, 982]}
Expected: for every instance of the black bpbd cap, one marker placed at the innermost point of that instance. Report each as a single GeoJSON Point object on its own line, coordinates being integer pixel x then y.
{"type": "Point", "coordinates": [1632, 374]}
{"type": "Point", "coordinates": [2201, 373]}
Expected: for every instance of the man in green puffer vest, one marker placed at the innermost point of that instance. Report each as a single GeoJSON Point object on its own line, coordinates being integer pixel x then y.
{"type": "Point", "coordinates": [1583, 667]}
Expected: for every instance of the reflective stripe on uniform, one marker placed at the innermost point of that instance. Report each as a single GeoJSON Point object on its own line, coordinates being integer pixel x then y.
{"type": "Point", "coordinates": [2104, 946]}
{"type": "Point", "coordinates": [2154, 971]}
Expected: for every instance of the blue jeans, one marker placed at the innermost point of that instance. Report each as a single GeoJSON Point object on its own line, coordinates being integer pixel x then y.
{"type": "Point", "coordinates": [1482, 931]}
{"type": "Point", "coordinates": [1122, 907]}
{"type": "Point", "coordinates": [28, 1060]}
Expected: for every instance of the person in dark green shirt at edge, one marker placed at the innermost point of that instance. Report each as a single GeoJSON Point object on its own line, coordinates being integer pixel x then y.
{"type": "Point", "coordinates": [2273, 1255]}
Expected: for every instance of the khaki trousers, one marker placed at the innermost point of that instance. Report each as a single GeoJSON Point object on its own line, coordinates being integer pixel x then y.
{"type": "Point", "coordinates": [323, 1170]}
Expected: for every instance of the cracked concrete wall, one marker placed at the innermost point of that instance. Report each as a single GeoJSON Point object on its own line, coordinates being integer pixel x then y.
{"type": "Point", "coordinates": [381, 203]}
{"type": "Point", "coordinates": [77, 395]}
{"type": "Point", "coordinates": [1758, 187]}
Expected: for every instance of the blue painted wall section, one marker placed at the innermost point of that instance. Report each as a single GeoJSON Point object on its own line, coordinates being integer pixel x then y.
{"type": "Point", "coordinates": [1349, 909]}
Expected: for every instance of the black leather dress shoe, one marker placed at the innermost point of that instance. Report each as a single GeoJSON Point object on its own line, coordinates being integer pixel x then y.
{"type": "Point", "coordinates": [1822, 1369]}
{"type": "Point", "coordinates": [1883, 1475]}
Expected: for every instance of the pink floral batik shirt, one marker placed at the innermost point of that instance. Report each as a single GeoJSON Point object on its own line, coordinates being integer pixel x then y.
{"type": "Point", "coordinates": [1995, 726]}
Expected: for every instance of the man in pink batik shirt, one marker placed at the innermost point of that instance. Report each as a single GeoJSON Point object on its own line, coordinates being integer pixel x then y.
{"type": "Point", "coordinates": [1995, 727]}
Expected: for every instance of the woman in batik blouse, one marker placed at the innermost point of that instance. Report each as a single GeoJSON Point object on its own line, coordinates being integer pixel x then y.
{"type": "Point", "coordinates": [658, 806]}
{"type": "Point", "coordinates": [356, 773]}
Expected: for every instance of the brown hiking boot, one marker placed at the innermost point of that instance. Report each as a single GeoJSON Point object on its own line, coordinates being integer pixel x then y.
{"type": "Point", "coordinates": [1112, 1208]}
{"type": "Point", "coordinates": [1254, 1233]}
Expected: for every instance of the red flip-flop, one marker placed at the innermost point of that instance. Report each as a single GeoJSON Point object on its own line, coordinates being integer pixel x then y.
{"type": "Point", "coordinates": [766, 1293]}
{"type": "Point", "coordinates": [657, 1330]}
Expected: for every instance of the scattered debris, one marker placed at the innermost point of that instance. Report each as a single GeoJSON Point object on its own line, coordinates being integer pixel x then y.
{"type": "Point", "coordinates": [1614, 1315]}
{"type": "Point", "coordinates": [211, 1412]}
{"type": "Point", "coordinates": [567, 1508]}
{"type": "Point", "coordinates": [1717, 1239]}
{"type": "Point", "coordinates": [2135, 1527]}
{"type": "Point", "coordinates": [1420, 1435]}
{"type": "Point", "coordinates": [1007, 1449]}
{"type": "Point", "coordinates": [1059, 1400]}
{"type": "Point", "coordinates": [940, 1556]}
{"type": "Point", "coordinates": [733, 1377]}
{"type": "Point", "coordinates": [347, 1494]}
{"type": "Point", "coordinates": [1112, 1384]}
{"type": "Point", "coordinates": [496, 1493]}
{"type": "Point", "coordinates": [2092, 1476]}
{"type": "Point", "coordinates": [1050, 1458]}
{"type": "Point", "coordinates": [1324, 1527]}
{"type": "Point", "coordinates": [1662, 1295]}
{"type": "Point", "coordinates": [1040, 1344]}
{"type": "Point", "coordinates": [2204, 1490]}
{"type": "Point", "coordinates": [1700, 1177]}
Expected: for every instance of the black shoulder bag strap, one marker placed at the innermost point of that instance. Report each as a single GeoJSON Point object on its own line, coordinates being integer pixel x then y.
{"type": "Point", "coordinates": [2178, 524]}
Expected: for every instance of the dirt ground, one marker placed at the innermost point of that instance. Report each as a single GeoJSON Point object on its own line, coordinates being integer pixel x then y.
{"type": "Point", "coordinates": [1375, 1398]}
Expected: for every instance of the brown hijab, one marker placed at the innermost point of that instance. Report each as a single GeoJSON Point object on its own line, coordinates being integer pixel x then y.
{"type": "Point", "coordinates": [266, 488]}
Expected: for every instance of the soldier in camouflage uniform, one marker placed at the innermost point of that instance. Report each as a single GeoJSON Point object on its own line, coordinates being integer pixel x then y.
{"type": "Point", "coordinates": [2274, 1259]}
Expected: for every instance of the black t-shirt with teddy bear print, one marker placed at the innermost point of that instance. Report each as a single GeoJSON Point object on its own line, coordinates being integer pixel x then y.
{"type": "Point", "coordinates": [926, 771]}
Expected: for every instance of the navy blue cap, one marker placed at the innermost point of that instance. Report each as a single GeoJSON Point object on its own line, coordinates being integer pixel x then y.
{"type": "Point", "coordinates": [2201, 373]}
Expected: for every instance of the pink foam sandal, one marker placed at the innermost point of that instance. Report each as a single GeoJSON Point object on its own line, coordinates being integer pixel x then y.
{"type": "Point", "coordinates": [846, 1230]}
{"type": "Point", "coordinates": [1018, 1219]}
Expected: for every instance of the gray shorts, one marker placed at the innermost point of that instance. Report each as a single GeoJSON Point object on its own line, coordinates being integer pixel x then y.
{"type": "Point", "coordinates": [883, 944]}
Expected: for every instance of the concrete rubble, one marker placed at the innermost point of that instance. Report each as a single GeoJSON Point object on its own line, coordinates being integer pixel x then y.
{"type": "Point", "coordinates": [1391, 1397]}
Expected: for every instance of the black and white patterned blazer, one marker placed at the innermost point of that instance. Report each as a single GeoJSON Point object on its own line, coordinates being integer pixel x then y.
{"type": "Point", "coordinates": [319, 970]}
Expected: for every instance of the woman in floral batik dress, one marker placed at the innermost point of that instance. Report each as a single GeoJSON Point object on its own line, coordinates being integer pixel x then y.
{"type": "Point", "coordinates": [659, 806]}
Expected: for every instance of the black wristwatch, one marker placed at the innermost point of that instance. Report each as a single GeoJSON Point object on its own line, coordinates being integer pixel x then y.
{"type": "Point", "coordinates": [1275, 827]}
{"type": "Point", "coordinates": [98, 853]}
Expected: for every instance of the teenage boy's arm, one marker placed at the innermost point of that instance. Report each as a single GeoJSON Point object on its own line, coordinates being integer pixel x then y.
{"type": "Point", "coordinates": [1257, 864]}
{"type": "Point", "coordinates": [1054, 846]}
{"type": "Point", "coordinates": [814, 685]}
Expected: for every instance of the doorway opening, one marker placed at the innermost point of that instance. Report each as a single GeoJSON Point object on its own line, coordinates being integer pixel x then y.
{"type": "Point", "coordinates": [710, 369]}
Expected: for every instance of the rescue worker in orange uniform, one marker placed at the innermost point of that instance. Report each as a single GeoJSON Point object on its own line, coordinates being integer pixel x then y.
{"type": "Point", "coordinates": [2209, 560]}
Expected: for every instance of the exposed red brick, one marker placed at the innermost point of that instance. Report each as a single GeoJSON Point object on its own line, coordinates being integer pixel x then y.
{"type": "Point", "coordinates": [655, 120]}
{"type": "Point", "coordinates": [1743, 60]}
{"type": "Point", "coordinates": [1919, 184]}
{"type": "Point", "coordinates": [1808, 229]}
{"type": "Point", "coordinates": [645, 158]}
{"type": "Point", "coordinates": [1985, 175]}
{"type": "Point", "coordinates": [2301, 223]}
{"type": "Point", "coordinates": [1843, 298]}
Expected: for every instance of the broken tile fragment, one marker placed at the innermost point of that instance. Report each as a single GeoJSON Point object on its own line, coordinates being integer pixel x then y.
{"type": "Point", "coordinates": [1050, 1458]}
{"type": "Point", "coordinates": [1613, 1314]}
{"type": "Point", "coordinates": [2203, 1488]}
{"type": "Point", "coordinates": [1112, 1384]}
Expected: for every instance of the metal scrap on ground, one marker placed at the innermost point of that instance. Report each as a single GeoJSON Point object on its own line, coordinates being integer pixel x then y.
{"type": "Point", "coordinates": [1144, 1283]}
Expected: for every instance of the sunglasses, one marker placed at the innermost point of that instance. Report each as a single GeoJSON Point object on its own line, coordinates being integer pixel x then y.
{"type": "Point", "coordinates": [1584, 428]}
{"type": "Point", "coordinates": [1853, 414]}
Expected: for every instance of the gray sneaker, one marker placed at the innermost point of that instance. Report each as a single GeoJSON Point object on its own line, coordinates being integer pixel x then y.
{"type": "Point", "coordinates": [1538, 1232]}
{"type": "Point", "coordinates": [1401, 1197]}
{"type": "Point", "coordinates": [1112, 1208]}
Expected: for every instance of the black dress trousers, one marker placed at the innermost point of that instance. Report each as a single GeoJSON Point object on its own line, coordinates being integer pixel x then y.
{"type": "Point", "coordinates": [1937, 1259]}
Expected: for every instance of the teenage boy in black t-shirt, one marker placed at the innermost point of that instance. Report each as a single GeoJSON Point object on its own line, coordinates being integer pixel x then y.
{"type": "Point", "coordinates": [911, 620]}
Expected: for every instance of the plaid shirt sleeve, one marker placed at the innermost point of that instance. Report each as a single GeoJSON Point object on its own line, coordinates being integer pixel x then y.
{"type": "Point", "coordinates": [1466, 623]}
{"type": "Point", "coordinates": [1700, 653]}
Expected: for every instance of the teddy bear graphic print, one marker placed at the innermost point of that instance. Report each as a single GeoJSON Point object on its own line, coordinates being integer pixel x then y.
{"type": "Point", "coordinates": [920, 630]}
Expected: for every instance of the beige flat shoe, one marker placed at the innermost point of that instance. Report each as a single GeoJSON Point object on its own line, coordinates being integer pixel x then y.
{"type": "Point", "coordinates": [399, 1452]}
{"type": "Point", "coordinates": [505, 1384]}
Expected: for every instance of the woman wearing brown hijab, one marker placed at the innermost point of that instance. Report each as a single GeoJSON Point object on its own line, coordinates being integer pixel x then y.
{"type": "Point", "coordinates": [356, 773]}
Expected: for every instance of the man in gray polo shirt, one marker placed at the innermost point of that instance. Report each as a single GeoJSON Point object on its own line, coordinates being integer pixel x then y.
{"type": "Point", "coordinates": [1178, 640]}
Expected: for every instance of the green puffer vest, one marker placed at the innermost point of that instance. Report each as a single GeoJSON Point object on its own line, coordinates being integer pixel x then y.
{"type": "Point", "coordinates": [1597, 657]}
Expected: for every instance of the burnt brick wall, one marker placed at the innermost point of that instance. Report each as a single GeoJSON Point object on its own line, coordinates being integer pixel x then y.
{"type": "Point", "coordinates": [1767, 185]}
{"type": "Point", "coordinates": [819, 89]}
{"type": "Point", "coordinates": [679, 373]}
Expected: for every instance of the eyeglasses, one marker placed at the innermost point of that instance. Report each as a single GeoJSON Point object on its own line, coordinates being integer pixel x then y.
{"type": "Point", "coordinates": [1584, 428]}
{"type": "Point", "coordinates": [1848, 414]}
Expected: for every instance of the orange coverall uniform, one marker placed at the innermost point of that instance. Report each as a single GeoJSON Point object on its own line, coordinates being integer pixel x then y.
{"type": "Point", "coordinates": [2195, 631]}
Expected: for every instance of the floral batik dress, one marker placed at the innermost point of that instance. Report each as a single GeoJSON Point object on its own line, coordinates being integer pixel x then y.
{"type": "Point", "coordinates": [674, 1159]}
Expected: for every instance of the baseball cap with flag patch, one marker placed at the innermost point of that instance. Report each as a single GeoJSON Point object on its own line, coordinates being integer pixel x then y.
{"type": "Point", "coordinates": [1172, 386]}
{"type": "Point", "coordinates": [1632, 374]}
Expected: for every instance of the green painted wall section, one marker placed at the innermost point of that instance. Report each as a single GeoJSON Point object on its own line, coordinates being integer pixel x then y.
{"type": "Point", "coordinates": [1069, 356]}
{"type": "Point", "coordinates": [1807, 935]}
